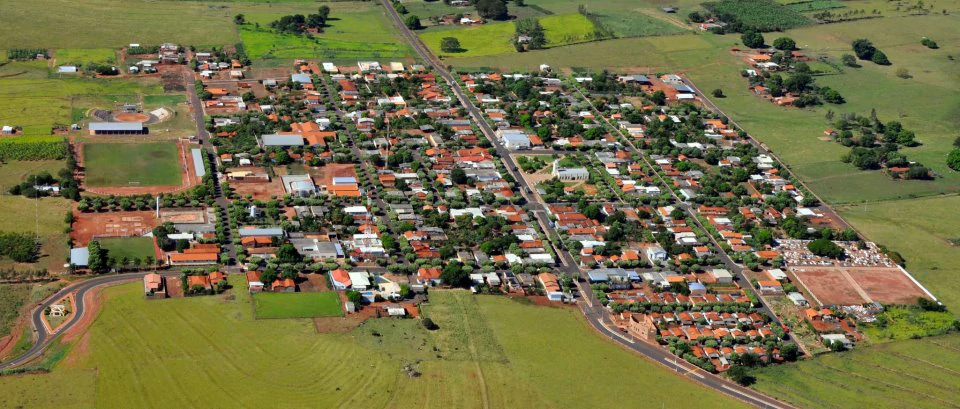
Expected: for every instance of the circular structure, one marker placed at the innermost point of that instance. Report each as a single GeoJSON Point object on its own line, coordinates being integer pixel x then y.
{"type": "Point", "coordinates": [131, 117]}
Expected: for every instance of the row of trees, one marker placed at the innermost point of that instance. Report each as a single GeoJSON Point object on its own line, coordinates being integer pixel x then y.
{"type": "Point", "coordinates": [25, 53]}
{"type": "Point", "coordinates": [19, 247]}
{"type": "Point", "coordinates": [865, 50]}
{"type": "Point", "coordinates": [298, 23]}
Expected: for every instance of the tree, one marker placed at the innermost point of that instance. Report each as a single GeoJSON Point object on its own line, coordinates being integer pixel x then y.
{"type": "Point", "coordinates": [429, 324]}
{"type": "Point", "coordinates": [97, 261]}
{"type": "Point", "coordinates": [863, 48]}
{"type": "Point", "coordinates": [825, 248]}
{"type": "Point", "coordinates": [239, 19]}
{"type": "Point", "coordinates": [953, 159]}
{"type": "Point", "coordinates": [740, 374]}
{"type": "Point", "coordinates": [492, 9]}
{"type": "Point", "coordinates": [718, 93]}
{"type": "Point", "coordinates": [413, 22]}
{"type": "Point", "coordinates": [785, 44]}
{"type": "Point", "coordinates": [450, 45]}
{"type": "Point", "coordinates": [790, 351]}
{"type": "Point", "coordinates": [659, 98]}
{"type": "Point", "coordinates": [849, 60]}
{"type": "Point", "coordinates": [752, 39]}
{"type": "Point", "coordinates": [458, 176]}
{"type": "Point", "coordinates": [355, 297]}
{"type": "Point", "coordinates": [287, 253]}
{"type": "Point", "coordinates": [879, 58]}
{"type": "Point", "coordinates": [929, 43]}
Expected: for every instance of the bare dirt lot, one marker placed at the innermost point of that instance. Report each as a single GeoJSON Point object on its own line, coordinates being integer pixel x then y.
{"type": "Point", "coordinates": [858, 285]}
{"type": "Point", "coordinates": [183, 216]}
{"type": "Point", "coordinates": [259, 190]}
{"type": "Point", "coordinates": [324, 175]}
{"type": "Point", "coordinates": [112, 224]}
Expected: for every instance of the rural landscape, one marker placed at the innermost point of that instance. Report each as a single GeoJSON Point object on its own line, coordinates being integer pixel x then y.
{"type": "Point", "coordinates": [480, 203]}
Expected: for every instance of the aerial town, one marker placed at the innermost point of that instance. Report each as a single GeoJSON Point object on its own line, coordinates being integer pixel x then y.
{"type": "Point", "coordinates": [365, 227]}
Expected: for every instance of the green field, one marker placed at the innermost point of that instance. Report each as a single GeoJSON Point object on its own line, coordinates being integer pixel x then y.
{"type": "Point", "coordinates": [180, 352]}
{"type": "Point", "coordinates": [14, 172]}
{"type": "Point", "coordinates": [639, 23]}
{"type": "Point", "coordinates": [129, 247]}
{"type": "Point", "coordinates": [914, 374]}
{"type": "Point", "coordinates": [355, 31]}
{"type": "Point", "coordinates": [109, 164]}
{"type": "Point", "coordinates": [30, 100]}
{"type": "Point", "coordinates": [764, 15]}
{"type": "Point", "coordinates": [84, 56]}
{"type": "Point", "coordinates": [497, 38]}
{"type": "Point", "coordinates": [909, 323]}
{"type": "Point", "coordinates": [297, 305]}
{"type": "Point", "coordinates": [164, 100]}
{"type": "Point", "coordinates": [45, 216]}
{"type": "Point", "coordinates": [12, 298]}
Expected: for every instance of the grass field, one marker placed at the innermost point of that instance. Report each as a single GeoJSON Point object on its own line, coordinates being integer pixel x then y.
{"type": "Point", "coordinates": [355, 31]}
{"type": "Point", "coordinates": [297, 305]}
{"type": "Point", "coordinates": [497, 38]}
{"type": "Point", "coordinates": [909, 323]}
{"type": "Point", "coordinates": [915, 374]}
{"type": "Point", "coordinates": [12, 298]}
{"type": "Point", "coordinates": [84, 56]}
{"type": "Point", "coordinates": [14, 172]}
{"type": "Point", "coordinates": [129, 247]}
{"type": "Point", "coordinates": [45, 216]}
{"type": "Point", "coordinates": [639, 23]}
{"type": "Point", "coordinates": [36, 102]}
{"type": "Point", "coordinates": [765, 15]}
{"type": "Point", "coordinates": [139, 353]}
{"type": "Point", "coordinates": [109, 164]}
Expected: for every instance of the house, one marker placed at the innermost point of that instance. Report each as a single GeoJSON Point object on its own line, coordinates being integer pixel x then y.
{"type": "Point", "coordinates": [429, 276]}
{"type": "Point", "coordinates": [770, 287]}
{"type": "Point", "coordinates": [301, 78]}
{"type": "Point", "coordinates": [551, 286]}
{"type": "Point", "coordinates": [192, 259]}
{"type": "Point", "coordinates": [298, 185]}
{"type": "Point", "coordinates": [283, 141]}
{"type": "Point", "coordinates": [360, 280]}
{"type": "Point", "coordinates": [829, 339]}
{"type": "Point", "coordinates": [514, 139]}
{"type": "Point", "coordinates": [655, 253]}
{"type": "Point", "coordinates": [67, 69]}
{"type": "Point", "coordinates": [798, 299]}
{"type": "Point", "coordinates": [199, 281]}
{"type": "Point", "coordinates": [722, 276]}
{"type": "Point", "coordinates": [117, 128]}
{"type": "Point", "coordinates": [340, 279]}
{"type": "Point", "coordinates": [615, 278]}
{"type": "Point", "coordinates": [254, 285]}
{"type": "Point", "coordinates": [642, 326]}
{"type": "Point", "coordinates": [79, 257]}
{"type": "Point", "coordinates": [286, 285]}
{"type": "Point", "coordinates": [154, 285]}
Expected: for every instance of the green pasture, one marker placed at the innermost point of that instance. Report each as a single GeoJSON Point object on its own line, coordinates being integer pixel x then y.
{"type": "Point", "coordinates": [44, 216]}
{"type": "Point", "coordinates": [77, 56]}
{"type": "Point", "coordinates": [297, 305]}
{"type": "Point", "coordinates": [129, 247]}
{"type": "Point", "coordinates": [110, 164]}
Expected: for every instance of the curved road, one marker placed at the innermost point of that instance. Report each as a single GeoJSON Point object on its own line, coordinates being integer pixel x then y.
{"type": "Point", "coordinates": [42, 337]}
{"type": "Point", "coordinates": [595, 314]}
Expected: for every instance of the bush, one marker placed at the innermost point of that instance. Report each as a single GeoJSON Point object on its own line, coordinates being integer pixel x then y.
{"type": "Point", "coordinates": [429, 324]}
{"type": "Point", "coordinates": [718, 93]}
{"type": "Point", "coordinates": [849, 60]}
{"type": "Point", "coordinates": [929, 43]}
{"type": "Point", "coordinates": [879, 58]}
{"type": "Point", "coordinates": [863, 48]}
{"type": "Point", "coordinates": [953, 159]}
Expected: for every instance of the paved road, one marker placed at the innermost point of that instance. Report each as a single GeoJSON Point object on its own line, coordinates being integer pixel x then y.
{"type": "Point", "coordinates": [592, 309]}
{"type": "Point", "coordinates": [42, 336]}
{"type": "Point", "coordinates": [222, 202]}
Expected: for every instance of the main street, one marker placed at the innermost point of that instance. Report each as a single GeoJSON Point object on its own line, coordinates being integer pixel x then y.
{"type": "Point", "coordinates": [594, 313]}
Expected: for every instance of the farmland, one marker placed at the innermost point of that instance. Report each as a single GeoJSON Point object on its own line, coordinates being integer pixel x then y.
{"type": "Point", "coordinates": [128, 247]}
{"type": "Point", "coordinates": [194, 338]}
{"type": "Point", "coordinates": [108, 164]}
{"type": "Point", "coordinates": [85, 56]}
{"type": "Point", "coordinates": [297, 305]}
{"type": "Point", "coordinates": [764, 15]}
{"type": "Point", "coordinates": [914, 373]}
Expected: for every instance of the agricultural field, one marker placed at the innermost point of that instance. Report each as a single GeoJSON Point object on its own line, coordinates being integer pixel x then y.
{"type": "Point", "coordinates": [12, 298]}
{"type": "Point", "coordinates": [902, 323]}
{"type": "Point", "coordinates": [497, 38]}
{"type": "Point", "coordinates": [515, 360]}
{"type": "Point", "coordinates": [108, 164]}
{"type": "Point", "coordinates": [913, 373]}
{"type": "Point", "coordinates": [128, 247]}
{"type": "Point", "coordinates": [297, 305]}
{"type": "Point", "coordinates": [640, 23]}
{"type": "Point", "coordinates": [355, 31]}
{"type": "Point", "coordinates": [78, 56]}
{"type": "Point", "coordinates": [44, 216]}
{"type": "Point", "coordinates": [764, 15]}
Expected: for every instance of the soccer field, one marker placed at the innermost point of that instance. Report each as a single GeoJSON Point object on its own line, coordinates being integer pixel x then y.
{"type": "Point", "coordinates": [131, 164]}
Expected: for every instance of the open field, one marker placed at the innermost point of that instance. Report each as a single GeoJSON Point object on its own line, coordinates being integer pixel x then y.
{"type": "Point", "coordinates": [908, 323]}
{"type": "Point", "coordinates": [858, 285]}
{"type": "Point", "coordinates": [174, 350]}
{"type": "Point", "coordinates": [129, 247]}
{"type": "Point", "coordinates": [914, 373]}
{"type": "Point", "coordinates": [14, 172]}
{"type": "Point", "coordinates": [109, 164]}
{"type": "Point", "coordinates": [36, 103]}
{"type": "Point", "coordinates": [45, 216]}
{"type": "Point", "coordinates": [296, 305]}
{"type": "Point", "coordinates": [488, 39]}
{"type": "Point", "coordinates": [87, 226]}
{"type": "Point", "coordinates": [920, 230]}
{"type": "Point", "coordinates": [355, 31]}
{"type": "Point", "coordinates": [85, 56]}
{"type": "Point", "coordinates": [12, 298]}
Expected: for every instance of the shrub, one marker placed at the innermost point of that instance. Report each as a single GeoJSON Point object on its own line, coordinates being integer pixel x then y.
{"type": "Point", "coordinates": [429, 324]}
{"type": "Point", "coordinates": [953, 160]}
{"type": "Point", "coordinates": [929, 43]}
{"type": "Point", "coordinates": [849, 60]}
{"type": "Point", "coordinates": [879, 58]}
{"type": "Point", "coordinates": [718, 93]}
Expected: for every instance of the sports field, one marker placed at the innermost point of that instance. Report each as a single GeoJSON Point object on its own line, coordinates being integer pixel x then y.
{"type": "Point", "coordinates": [126, 164]}
{"type": "Point", "coordinates": [129, 247]}
{"type": "Point", "coordinates": [913, 373]}
{"type": "Point", "coordinates": [297, 305]}
{"type": "Point", "coordinates": [209, 351]}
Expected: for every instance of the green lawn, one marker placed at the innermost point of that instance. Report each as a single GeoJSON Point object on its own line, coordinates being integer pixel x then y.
{"type": "Point", "coordinates": [914, 374]}
{"type": "Point", "coordinates": [109, 164]}
{"type": "Point", "coordinates": [84, 56]}
{"type": "Point", "coordinates": [164, 100]}
{"type": "Point", "coordinates": [297, 305]}
{"type": "Point", "coordinates": [129, 247]}
{"type": "Point", "coordinates": [139, 353]}
{"type": "Point", "coordinates": [28, 216]}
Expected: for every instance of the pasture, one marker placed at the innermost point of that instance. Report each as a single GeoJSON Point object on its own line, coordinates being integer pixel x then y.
{"type": "Point", "coordinates": [78, 56]}
{"type": "Point", "coordinates": [184, 346]}
{"type": "Point", "coordinates": [12, 299]}
{"type": "Point", "coordinates": [110, 164]}
{"type": "Point", "coordinates": [297, 305]}
{"type": "Point", "coordinates": [14, 172]}
{"type": "Point", "coordinates": [764, 15]}
{"type": "Point", "coordinates": [913, 373]}
{"type": "Point", "coordinates": [128, 247]}
{"type": "Point", "coordinates": [497, 38]}
{"type": "Point", "coordinates": [45, 216]}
